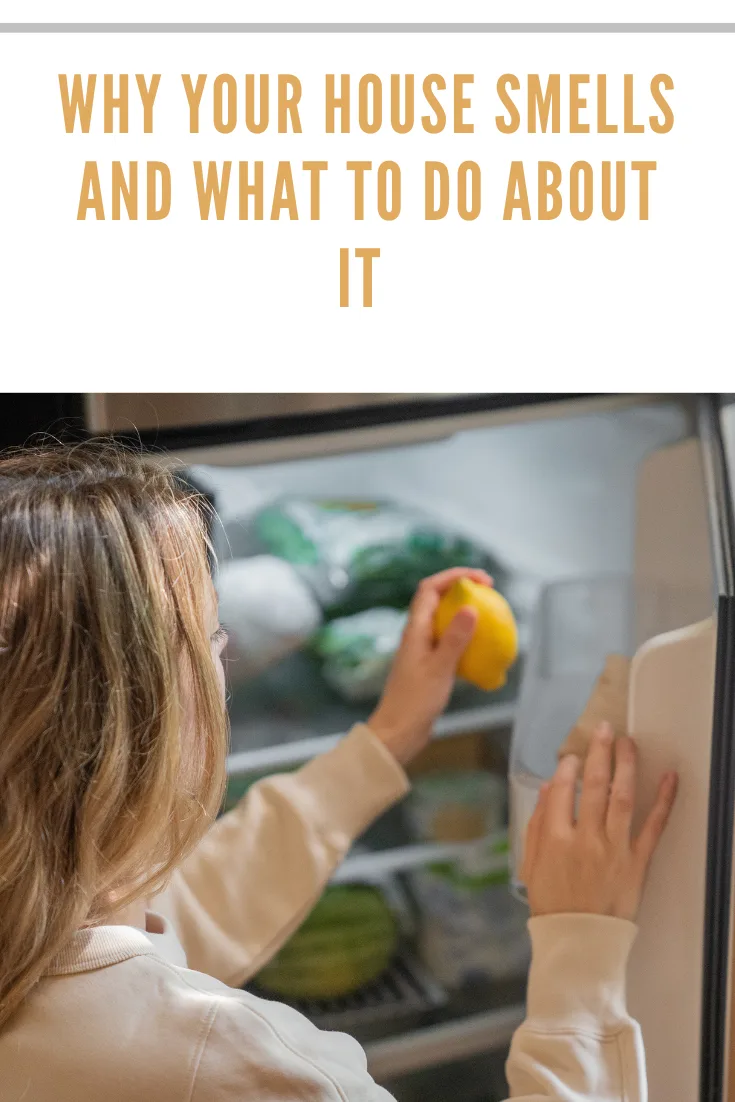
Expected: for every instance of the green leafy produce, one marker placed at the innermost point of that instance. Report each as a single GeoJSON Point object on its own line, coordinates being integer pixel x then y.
{"type": "Point", "coordinates": [346, 942]}
{"type": "Point", "coordinates": [357, 651]}
{"type": "Point", "coordinates": [364, 554]}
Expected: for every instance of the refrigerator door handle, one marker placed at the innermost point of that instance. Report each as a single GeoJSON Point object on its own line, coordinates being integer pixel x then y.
{"type": "Point", "coordinates": [719, 494]}
{"type": "Point", "coordinates": [716, 961]}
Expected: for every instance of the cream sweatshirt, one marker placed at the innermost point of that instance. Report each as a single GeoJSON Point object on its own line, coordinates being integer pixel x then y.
{"type": "Point", "coordinates": [126, 1014]}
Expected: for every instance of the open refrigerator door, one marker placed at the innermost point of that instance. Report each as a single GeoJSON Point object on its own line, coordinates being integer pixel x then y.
{"type": "Point", "coordinates": [671, 620]}
{"type": "Point", "coordinates": [671, 712]}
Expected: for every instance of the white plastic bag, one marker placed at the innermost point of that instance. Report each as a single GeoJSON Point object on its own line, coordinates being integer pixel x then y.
{"type": "Point", "coordinates": [471, 928]}
{"type": "Point", "coordinates": [268, 611]}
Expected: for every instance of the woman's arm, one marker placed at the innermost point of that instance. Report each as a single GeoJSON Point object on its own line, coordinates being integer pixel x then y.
{"type": "Point", "coordinates": [584, 874]}
{"type": "Point", "coordinates": [577, 1045]}
{"type": "Point", "coordinates": [262, 867]}
{"type": "Point", "coordinates": [578, 1040]}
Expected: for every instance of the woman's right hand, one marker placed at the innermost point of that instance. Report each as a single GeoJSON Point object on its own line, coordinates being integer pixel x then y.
{"type": "Point", "coordinates": [593, 865]}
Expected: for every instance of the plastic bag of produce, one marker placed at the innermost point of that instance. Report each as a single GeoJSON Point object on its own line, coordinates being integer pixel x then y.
{"type": "Point", "coordinates": [268, 610]}
{"type": "Point", "coordinates": [471, 928]}
{"type": "Point", "coordinates": [457, 805]}
{"type": "Point", "coordinates": [357, 651]}
{"type": "Point", "coordinates": [364, 554]}
{"type": "Point", "coordinates": [347, 941]}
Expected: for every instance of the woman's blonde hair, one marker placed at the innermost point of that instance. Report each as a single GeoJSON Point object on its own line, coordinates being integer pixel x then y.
{"type": "Point", "coordinates": [112, 723]}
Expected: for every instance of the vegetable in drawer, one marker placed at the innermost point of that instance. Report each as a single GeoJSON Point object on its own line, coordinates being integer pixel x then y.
{"type": "Point", "coordinates": [346, 942]}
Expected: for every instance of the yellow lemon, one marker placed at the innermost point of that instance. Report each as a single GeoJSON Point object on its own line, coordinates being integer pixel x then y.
{"type": "Point", "coordinates": [493, 648]}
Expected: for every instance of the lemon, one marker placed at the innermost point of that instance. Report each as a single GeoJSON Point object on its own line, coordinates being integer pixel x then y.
{"type": "Point", "coordinates": [493, 648]}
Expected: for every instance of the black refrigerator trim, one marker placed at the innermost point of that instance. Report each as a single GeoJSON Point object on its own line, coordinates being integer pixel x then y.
{"type": "Point", "coordinates": [256, 430]}
{"type": "Point", "coordinates": [716, 947]}
{"type": "Point", "coordinates": [24, 416]}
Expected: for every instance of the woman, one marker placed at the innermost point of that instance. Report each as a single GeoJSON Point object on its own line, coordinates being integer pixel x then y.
{"type": "Point", "coordinates": [124, 913]}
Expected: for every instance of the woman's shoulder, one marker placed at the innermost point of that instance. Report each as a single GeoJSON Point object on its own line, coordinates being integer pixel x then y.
{"type": "Point", "coordinates": [247, 1041]}
{"type": "Point", "coordinates": [123, 1030]}
{"type": "Point", "coordinates": [118, 1017]}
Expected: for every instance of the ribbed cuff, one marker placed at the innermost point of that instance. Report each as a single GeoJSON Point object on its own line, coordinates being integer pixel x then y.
{"type": "Point", "coordinates": [355, 782]}
{"type": "Point", "coordinates": [578, 968]}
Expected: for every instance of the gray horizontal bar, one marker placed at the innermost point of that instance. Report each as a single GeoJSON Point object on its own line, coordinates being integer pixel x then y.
{"type": "Point", "coordinates": [487, 717]}
{"type": "Point", "coordinates": [367, 28]}
{"type": "Point", "coordinates": [441, 1044]}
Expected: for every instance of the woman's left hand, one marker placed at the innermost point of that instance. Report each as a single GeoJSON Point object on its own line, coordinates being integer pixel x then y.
{"type": "Point", "coordinates": [592, 863]}
{"type": "Point", "coordinates": [422, 677]}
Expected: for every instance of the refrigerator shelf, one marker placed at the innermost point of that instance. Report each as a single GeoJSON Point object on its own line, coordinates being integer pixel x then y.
{"type": "Point", "coordinates": [377, 864]}
{"type": "Point", "coordinates": [264, 759]}
{"type": "Point", "coordinates": [441, 1044]}
{"type": "Point", "coordinates": [406, 988]}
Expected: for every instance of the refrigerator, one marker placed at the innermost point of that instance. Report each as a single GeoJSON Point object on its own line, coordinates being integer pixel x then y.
{"type": "Point", "coordinates": [601, 510]}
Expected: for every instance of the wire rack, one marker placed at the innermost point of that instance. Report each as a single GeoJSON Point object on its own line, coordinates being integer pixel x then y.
{"type": "Point", "coordinates": [404, 988]}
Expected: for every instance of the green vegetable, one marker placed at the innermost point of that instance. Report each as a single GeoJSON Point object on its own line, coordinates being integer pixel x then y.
{"type": "Point", "coordinates": [364, 554]}
{"type": "Point", "coordinates": [357, 651]}
{"type": "Point", "coordinates": [347, 941]}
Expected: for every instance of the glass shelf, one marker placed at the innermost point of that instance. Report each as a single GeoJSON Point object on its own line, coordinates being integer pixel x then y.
{"type": "Point", "coordinates": [289, 714]}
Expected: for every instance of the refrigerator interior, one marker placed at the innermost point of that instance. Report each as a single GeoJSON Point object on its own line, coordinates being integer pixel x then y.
{"type": "Point", "coordinates": [551, 500]}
